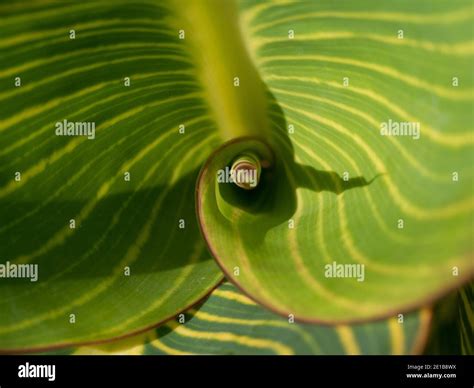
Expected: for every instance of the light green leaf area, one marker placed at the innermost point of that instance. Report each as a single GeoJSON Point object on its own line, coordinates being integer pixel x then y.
{"type": "Point", "coordinates": [110, 221]}
{"type": "Point", "coordinates": [370, 111]}
{"type": "Point", "coordinates": [230, 323]}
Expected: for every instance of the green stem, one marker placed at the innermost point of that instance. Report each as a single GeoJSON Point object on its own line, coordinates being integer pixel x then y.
{"type": "Point", "coordinates": [214, 38]}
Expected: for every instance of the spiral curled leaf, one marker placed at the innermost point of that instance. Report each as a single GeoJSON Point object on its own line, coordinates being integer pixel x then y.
{"type": "Point", "coordinates": [180, 90]}
{"type": "Point", "coordinates": [358, 220]}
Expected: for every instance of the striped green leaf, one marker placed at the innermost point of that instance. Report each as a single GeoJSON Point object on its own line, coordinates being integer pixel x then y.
{"type": "Point", "coordinates": [466, 319]}
{"type": "Point", "coordinates": [109, 221]}
{"type": "Point", "coordinates": [109, 218]}
{"type": "Point", "coordinates": [345, 194]}
{"type": "Point", "coordinates": [452, 326]}
{"type": "Point", "coordinates": [230, 323]}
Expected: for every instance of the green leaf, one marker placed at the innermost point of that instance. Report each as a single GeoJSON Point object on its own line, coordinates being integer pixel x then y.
{"type": "Point", "coordinates": [83, 292]}
{"type": "Point", "coordinates": [466, 319]}
{"type": "Point", "coordinates": [68, 204]}
{"type": "Point", "coordinates": [341, 193]}
{"type": "Point", "coordinates": [230, 323]}
{"type": "Point", "coordinates": [453, 319]}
